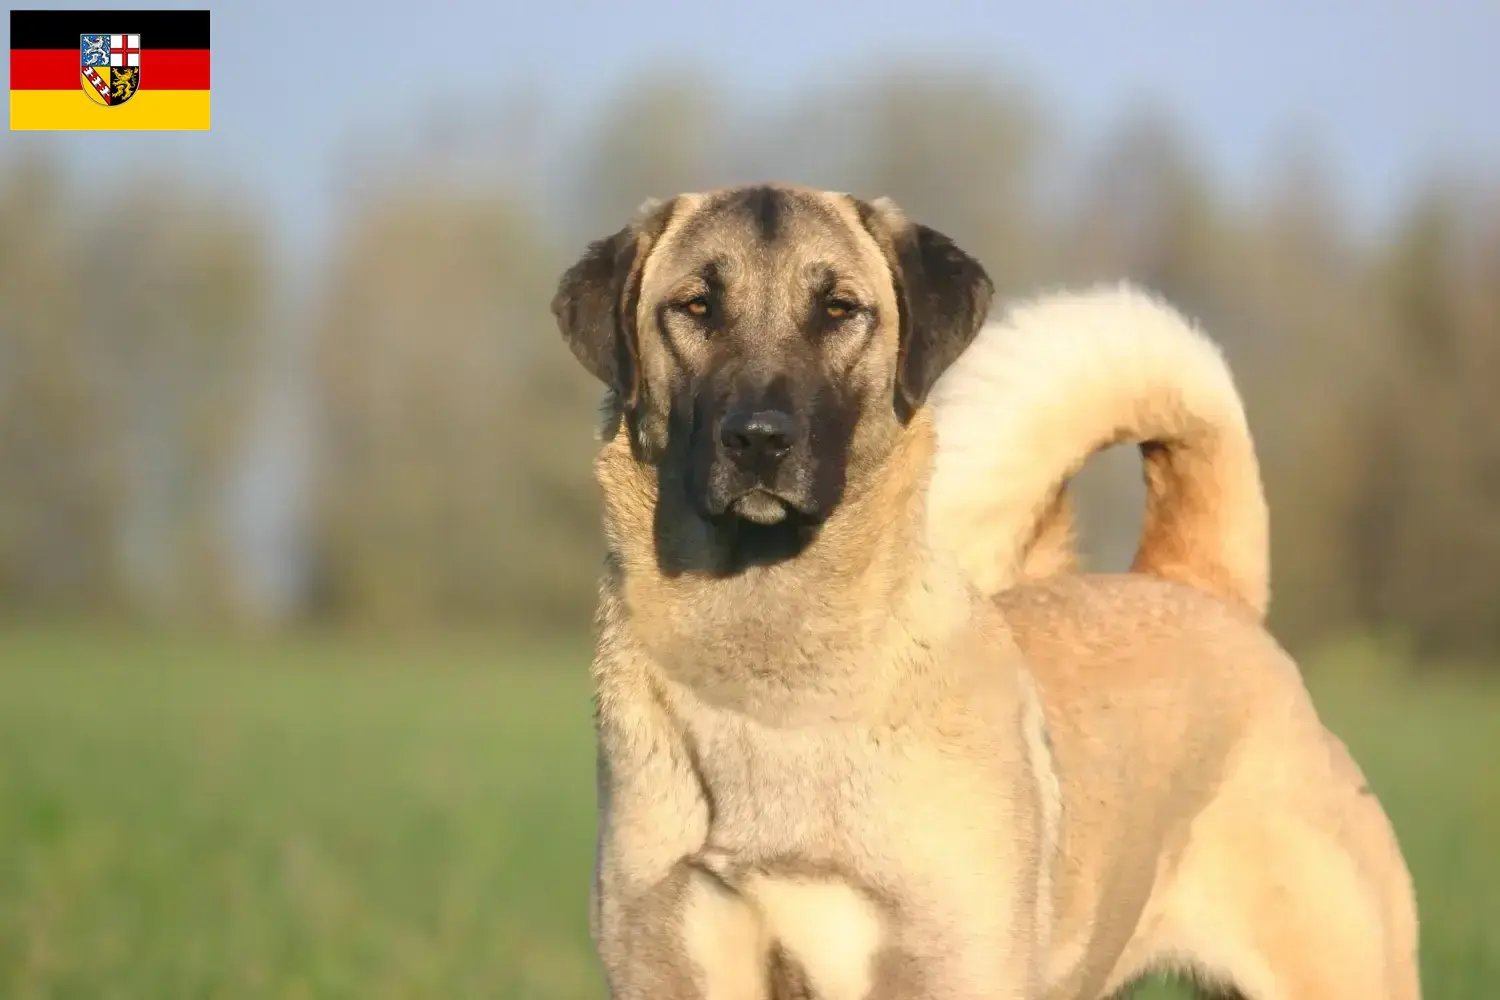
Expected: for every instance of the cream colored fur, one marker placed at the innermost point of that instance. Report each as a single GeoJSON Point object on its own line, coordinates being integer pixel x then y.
{"type": "Point", "coordinates": [1059, 378]}
{"type": "Point", "coordinates": [841, 773]}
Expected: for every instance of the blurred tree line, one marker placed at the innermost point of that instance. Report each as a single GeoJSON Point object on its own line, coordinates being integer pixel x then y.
{"type": "Point", "coordinates": [450, 477]}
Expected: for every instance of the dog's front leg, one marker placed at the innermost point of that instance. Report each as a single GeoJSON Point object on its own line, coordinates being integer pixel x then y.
{"type": "Point", "coordinates": [664, 928]}
{"type": "Point", "coordinates": [686, 937]}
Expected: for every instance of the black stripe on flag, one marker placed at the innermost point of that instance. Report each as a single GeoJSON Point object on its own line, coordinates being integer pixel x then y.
{"type": "Point", "coordinates": [59, 29]}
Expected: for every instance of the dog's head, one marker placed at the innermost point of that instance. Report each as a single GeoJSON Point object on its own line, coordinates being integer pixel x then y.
{"type": "Point", "coordinates": [770, 341]}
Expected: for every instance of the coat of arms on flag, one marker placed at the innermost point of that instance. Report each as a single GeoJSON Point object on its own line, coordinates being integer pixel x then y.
{"type": "Point", "coordinates": [111, 67]}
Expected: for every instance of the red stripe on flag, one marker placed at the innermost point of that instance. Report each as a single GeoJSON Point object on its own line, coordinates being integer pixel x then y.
{"type": "Point", "coordinates": [58, 69]}
{"type": "Point", "coordinates": [174, 69]}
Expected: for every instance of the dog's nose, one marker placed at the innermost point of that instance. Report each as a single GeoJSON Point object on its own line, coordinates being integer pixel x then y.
{"type": "Point", "coordinates": [756, 439]}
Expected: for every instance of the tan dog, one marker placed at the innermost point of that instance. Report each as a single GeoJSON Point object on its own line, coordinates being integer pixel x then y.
{"type": "Point", "coordinates": [860, 736]}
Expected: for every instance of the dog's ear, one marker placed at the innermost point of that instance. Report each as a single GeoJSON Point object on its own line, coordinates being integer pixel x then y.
{"type": "Point", "coordinates": [596, 300]}
{"type": "Point", "coordinates": [943, 295]}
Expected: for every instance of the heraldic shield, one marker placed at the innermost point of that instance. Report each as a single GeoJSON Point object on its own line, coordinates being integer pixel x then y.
{"type": "Point", "coordinates": [110, 66]}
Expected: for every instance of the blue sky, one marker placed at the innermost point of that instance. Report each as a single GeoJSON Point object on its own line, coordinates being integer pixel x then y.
{"type": "Point", "coordinates": [1388, 89]}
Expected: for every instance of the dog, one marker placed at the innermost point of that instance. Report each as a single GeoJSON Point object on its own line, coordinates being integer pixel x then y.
{"type": "Point", "coordinates": [864, 731]}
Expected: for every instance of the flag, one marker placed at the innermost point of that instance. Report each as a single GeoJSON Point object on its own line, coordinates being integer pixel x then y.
{"type": "Point", "coordinates": [86, 70]}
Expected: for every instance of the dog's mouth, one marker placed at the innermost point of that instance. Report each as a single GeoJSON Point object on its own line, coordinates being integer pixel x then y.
{"type": "Point", "coordinates": [727, 497]}
{"type": "Point", "coordinates": [761, 506]}
{"type": "Point", "coordinates": [759, 527]}
{"type": "Point", "coordinates": [766, 507]}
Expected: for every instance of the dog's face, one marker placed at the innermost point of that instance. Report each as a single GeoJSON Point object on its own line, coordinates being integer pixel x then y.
{"type": "Point", "coordinates": [769, 341]}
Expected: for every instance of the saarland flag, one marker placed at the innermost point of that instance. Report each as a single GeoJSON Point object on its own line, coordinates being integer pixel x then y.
{"type": "Point", "coordinates": [80, 70]}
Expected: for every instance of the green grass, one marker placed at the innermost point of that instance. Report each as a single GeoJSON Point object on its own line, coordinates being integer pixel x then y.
{"type": "Point", "coordinates": [190, 817]}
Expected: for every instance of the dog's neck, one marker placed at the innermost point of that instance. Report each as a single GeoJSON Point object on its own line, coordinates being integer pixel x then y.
{"type": "Point", "coordinates": [812, 635]}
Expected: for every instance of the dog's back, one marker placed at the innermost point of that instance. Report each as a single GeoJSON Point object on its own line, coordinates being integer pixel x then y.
{"type": "Point", "coordinates": [1201, 796]}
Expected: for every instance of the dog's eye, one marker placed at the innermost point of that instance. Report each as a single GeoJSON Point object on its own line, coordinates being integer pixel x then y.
{"type": "Point", "coordinates": [696, 306]}
{"type": "Point", "coordinates": [839, 308]}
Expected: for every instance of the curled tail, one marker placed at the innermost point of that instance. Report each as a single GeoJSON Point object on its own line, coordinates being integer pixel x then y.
{"type": "Point", "coordinates": [1064, 376]}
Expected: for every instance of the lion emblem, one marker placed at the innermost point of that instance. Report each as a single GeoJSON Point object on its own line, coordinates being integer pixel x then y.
{"type": "Point", "coordinates": [123, 83]}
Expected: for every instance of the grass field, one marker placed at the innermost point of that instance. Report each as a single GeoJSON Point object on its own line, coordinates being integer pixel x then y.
{"type": "Point", "coordinates": [191, 817]}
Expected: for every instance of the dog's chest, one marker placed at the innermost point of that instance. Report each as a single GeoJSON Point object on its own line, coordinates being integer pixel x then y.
{"type": "Point", "coordinates": [776, 794]}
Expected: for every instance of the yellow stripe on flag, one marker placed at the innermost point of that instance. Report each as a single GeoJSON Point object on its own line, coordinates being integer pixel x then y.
{"type": "Point", "coordinates": [72, 110]}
